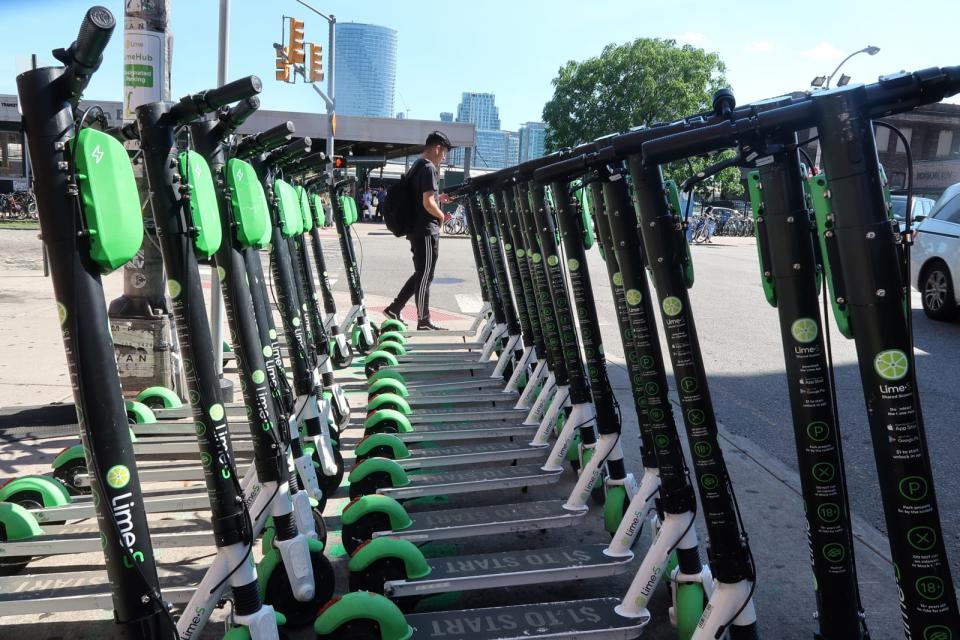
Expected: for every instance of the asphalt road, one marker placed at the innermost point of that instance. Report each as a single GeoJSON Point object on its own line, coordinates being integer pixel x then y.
{"type": "Point", "coordinates": [740, 339]}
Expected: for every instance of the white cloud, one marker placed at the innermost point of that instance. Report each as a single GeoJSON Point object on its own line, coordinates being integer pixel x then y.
{"type": "Point", "coordinates": [823, 51]}
{"type": "Point", "coordinates": [691, 37]}
{"type": "Point", "coordinates": [761, 47]}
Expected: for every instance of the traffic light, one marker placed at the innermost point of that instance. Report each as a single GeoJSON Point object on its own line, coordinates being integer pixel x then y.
{"type": "Point", "coordinates": [283, 67]}
{"type": "Point", "coordinates": [295, 48]}
{"type": "Point", "coordinates": [316, 63]}
{"type": "Point", "coordinates": [339, 162]}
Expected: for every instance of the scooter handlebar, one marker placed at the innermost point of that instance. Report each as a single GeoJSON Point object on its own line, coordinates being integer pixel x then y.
{"type": "Point", "coordinates": [92, 39]}
{"type": "Point", "coordinates": [289, 153]}
{"type": "Point", "coordinates": [193, 106]}
{"type": "Point", "coordinates": [265, 140]}
{"type": "Point", "coordinates": [236, 116]}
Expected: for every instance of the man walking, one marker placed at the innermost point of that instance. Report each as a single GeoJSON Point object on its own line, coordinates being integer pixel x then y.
{"type": "Point", "coordinates": [423, 231]}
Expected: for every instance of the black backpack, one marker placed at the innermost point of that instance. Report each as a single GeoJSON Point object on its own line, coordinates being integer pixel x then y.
{"type": "Point", "coordinates": [398, 207]}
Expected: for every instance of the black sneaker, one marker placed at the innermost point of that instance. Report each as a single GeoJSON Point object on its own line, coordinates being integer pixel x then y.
{"type": "Point", "coordinates": [426, 325]}
{"type": "Point", "coordinates": [390, 313]}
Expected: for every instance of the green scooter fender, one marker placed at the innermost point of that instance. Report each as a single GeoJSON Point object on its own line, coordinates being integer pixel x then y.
{"type": "Point", "coordinates": [613, 508]}
{"type": "Point", "coordinates": [388, 385]}
{"type": "Point", "coordinates": [381, 548]}
{"type": "Point", "coordinates": [52, 493]}
{"type": "Point", "coordinates": [383, 374]}
{"type": "Point", "coordinates": [376, 503]}
{"type": "Point", "coordinates": [398, 450]}
{"type": "Point", "coordinates": [400, 421]}
{"type": "Point", "coordinates": [393, 347]}
{"type": "Point", "coordinates": [161, 397]}
{"type": "Point", "coordinates": [389, 359]}
{"type": "Point", "coordinates": [17, 523]}
{"type": "Point", "coordinates": [68, 455]}
{"type": "Point", "coordinates": [398, 476]}
{"type": "Point", "coordinates": [363, 605]}
{"type": "Point", "coordinates": [139, 413]}
{"type": "Point", "coordinates": [395, 336]}
{"type": "Point", "coordinates": [389, 401]}
{"type": "Point", "coordinates": [393, 325]}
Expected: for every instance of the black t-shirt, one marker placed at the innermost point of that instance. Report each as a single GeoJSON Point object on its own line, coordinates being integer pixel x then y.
{"type": "Point", "coordinates": [424, 179]}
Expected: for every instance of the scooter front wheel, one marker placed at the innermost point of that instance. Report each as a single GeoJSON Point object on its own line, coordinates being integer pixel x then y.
{"type": "Point", "coordinates": [280, 596]}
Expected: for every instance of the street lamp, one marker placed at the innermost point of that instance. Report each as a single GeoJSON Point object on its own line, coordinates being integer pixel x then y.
{"type": "Point", "coordinates": [819, 82]}
{"type": "Point", "coordinates": [824, 83]}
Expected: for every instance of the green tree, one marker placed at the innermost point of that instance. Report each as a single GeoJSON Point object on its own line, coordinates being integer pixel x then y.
{"type": "Point", "coordinates": [639, 83]}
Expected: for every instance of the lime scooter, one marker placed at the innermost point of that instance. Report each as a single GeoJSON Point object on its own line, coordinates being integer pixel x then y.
{"type": "Point", "coordinates": [89, 179]}
{"type": "Point", "coordinates": [864, 271]}
{"type": "Point", "coordinates": [377, 516]}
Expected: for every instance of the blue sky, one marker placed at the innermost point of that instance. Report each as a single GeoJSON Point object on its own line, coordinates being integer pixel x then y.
{"type": "Point", "coordinates": [514, 48]}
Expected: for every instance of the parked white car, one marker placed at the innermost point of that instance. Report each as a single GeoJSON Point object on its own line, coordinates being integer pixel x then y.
{"type": "Point", "coordinates": [935, 257]}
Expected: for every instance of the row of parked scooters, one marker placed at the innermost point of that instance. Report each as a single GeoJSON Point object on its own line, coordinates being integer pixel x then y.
{"type": "Point", "coordinates": [520, 400]}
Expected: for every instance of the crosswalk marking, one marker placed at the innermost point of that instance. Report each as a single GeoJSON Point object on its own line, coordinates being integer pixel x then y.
{"type": "Point", "coordinates": [469, 302]}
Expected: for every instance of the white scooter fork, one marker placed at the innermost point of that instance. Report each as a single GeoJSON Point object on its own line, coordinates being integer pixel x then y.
{"type": "Point", "coordinates": [305, 409]}
{"type": "Point", "coordinates": [676, 531]}
{"type": "Point", "coordinates": [549, 420]}
{"type": "Point", "coordinates": [723, 606]}
{"type": "Point", "coordinates": [294, 551]}
{"type": "Point", "coordinates": [490, 344]}
{"type": "Point", "coordinates": [506, 357]}
{"type": "Point", "coordinates": [580, 415]}
{"type": "Point", "coordinates": [540, 406]}
{"type": "Point", "coordinates": [529, 395]}
{"type": "Point", "coordinates": [338, 396]}
{"type": "Point", "coordinates": [633, 518]}
{"type": "Point", "coordinates": [513, 384]}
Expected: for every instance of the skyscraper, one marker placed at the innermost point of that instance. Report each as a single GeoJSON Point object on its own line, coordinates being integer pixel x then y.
{"type": "Point", "coordinates": [532, 135]}
{"type": "Point", "coordinates": [366, 69]}
{"type": "Point", "coordinates": [446, 116]}
{"type": "Point", "coordinates": [492, 149]}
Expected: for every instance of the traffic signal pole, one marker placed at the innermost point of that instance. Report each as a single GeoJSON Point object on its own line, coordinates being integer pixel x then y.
{"type": "Point", "coordinates": [329, 97]}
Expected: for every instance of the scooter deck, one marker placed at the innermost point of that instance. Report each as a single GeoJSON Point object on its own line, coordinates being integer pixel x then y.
{"type": "Point", "coordinates": [444, 367]}
{"type": "Point", "coordinates": [70, 542]}
{"type": "Point", "coordinates": [467, 454]}
{"type": "Point", "coordinates": [458, 414]}
{"type": "Point", "coordinates": [590, 618]}
{"type": "Point", "coordinates": [510, 569]}
{"type": "Point", "coordinates": [472, 480]}
{"type": "Point", "coordinates": [81, 591]}
{"type": "Point", "coordinates": [491, 399]}
{"type": "Point", "coordinates": [451, 524]}
{"type": "Point", "coordinates": [466, 431]}
{"type": "Point", "coordinates": [170, 501]}
{"type": "Point", "coordinates": [231, 410]}
{"type": "Point", "coordinates": [427, 389]}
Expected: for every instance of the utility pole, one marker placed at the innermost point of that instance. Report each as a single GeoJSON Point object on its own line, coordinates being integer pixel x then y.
{"type": "Point", "coordinates": [139, 319]}
{"type": "Point", "coordinates": [329, 97]}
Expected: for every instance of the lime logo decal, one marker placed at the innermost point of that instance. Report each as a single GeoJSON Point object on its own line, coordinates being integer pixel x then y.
{"type": "Point", "coordinates": [216, 412]}
{"type": "Point", "coordinates": [709, 481]}
{"type": "Point", "coordinates": [61, 313]}
{"type": "Point", "coordinates": [507, 246]}
{"type": "Point", "coordinates": [891, 364]}
{"type": "Point", "coordinates": [221, 273]}
{"type": "Point", "coordinates": [634, 297]}
{"type": "Point", "coordinates": [929, 587]}
{"type": "Point", "coordinates": [922, 538]}
{"type": "Point", "coordinates": [828, 512]}
{"type": "Point", "coordinates": [618, 279]}
{"type": "Point", "coordinates": [296, 322]}
{"type": "Point", "coordinates": [273, 334]}
{"type": "Point", "coordinates": [937, 632]}
{"type": "Point", "coordinates": [174, 288]}
{"type": "Point", "coordinates": [521, 253]}
{"type": "Point", "coordinates": [493, 239]}
{"type": "Point", "coordinates": [834, 552]}
{"type": "Point", "coordinates": [914, 488]}
{"type": "Point", "coordinates": [823, 472]}
{"type": "Point", "coordinates": [268, 351]}
{"type": "Point", "coordinates": [672, 306]}
{"type": "Point", "coordinates": [804, 330]}
{"type": "Point", "coordinates": [258, 377]}
{"type": "Point", "coordinates": [573, 263]}
{"type": "Point", "coordinates": [118, 476]}
{"type": "Point", "coordinates": [818, 431]}
{"type": "Point", "coordinates": [702, 449]}
{"type": "Point", "coordinates": [97, 154]}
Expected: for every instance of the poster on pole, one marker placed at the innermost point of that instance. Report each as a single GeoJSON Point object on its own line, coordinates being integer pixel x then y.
{"type": "Point", "coordinates": [143, 71]}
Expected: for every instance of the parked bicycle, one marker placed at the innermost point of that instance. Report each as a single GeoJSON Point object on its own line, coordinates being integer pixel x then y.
{"type": "Point", "coordinates": [455, 223]}
{"type": "Point", "coordinates": [20, 205]}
